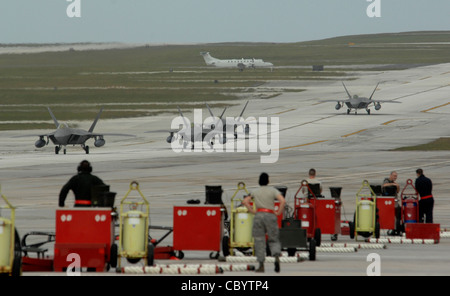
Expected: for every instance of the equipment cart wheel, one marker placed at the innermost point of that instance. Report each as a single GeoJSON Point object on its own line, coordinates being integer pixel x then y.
{"type": "Point", "coordinates": [225, 246]}
{"type": "Point", "coordinates": [179, 254]}
{"type": "Point", "coordinates": [291, 251]}
{"type": "Point", "coordinates": [351, 226]}
{"type": "Point", "coordinates": [312, 250]}
{"type": "Point", "coordinates": [17, 263]}
{"type": "Point", "coordinates": [214, 255]}
{"type": "Point", "coordinates": [150, 254]}
{"type": "Point", "coordinates": [318, 236]}
{"type": "Point", "coordinates": [113, 256]}
{"type": "Point", "coordinates": [377, 230]}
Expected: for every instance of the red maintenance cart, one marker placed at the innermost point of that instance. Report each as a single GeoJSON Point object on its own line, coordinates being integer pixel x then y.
{"type": "Point", "coordinates": [386, 209]}
{"type": "Point", "coordinates": [198, 228]}
{"type": "Point", "coordinates": [89, 234]}
{"type": "Point", "coordinates": [305, 210]}
{"type": "Point", "coordinates": [328, 211]}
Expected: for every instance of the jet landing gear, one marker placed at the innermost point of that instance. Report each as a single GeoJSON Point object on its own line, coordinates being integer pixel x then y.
{"type": "Point", "coordinates": [86, 149]}
{"type": "Point", "coordinates": [58, 148]}
{"type": "Point", "coordinates": [356, 111]}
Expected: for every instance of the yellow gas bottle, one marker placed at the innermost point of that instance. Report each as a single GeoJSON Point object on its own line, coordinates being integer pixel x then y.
{"type": "Point", "coordinates": [134, 232]}
{"type": "Point", "coordinates": [243, 226]}
{"type": "Point", "coordinates": [365, 215]}
{"type": "Point", "coordinates": [5, 243]}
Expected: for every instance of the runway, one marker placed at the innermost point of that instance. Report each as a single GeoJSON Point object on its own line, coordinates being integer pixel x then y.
{"type": "Point", "coordinates": [344, 149]}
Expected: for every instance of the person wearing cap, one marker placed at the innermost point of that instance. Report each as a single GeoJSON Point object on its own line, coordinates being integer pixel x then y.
{"type": "Point", "coordinates": [265, 220]}
{"type": "Point", "coordinates": [81, 185]}
{"type": "Point", "coordinates": [424, 187]}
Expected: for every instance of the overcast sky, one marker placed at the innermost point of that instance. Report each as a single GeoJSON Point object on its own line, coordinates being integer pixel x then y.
{"type": "Point", "coordinates": [199, 21]}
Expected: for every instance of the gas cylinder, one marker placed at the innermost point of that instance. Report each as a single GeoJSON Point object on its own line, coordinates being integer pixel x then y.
{"type": "Point", "coordinates": [5, 242]}
{"type": "Point", "coordinates": [134, 227]}
{"type": "Point", "coordinates": [365, 215]}
{"type": "Point", "coordinates": [243, 226]}
{"type": "Point", "coordinates": [410, 212]}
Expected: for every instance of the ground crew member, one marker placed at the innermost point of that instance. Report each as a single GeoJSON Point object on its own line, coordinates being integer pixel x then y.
{"type": "Point", "coordinates": [390, 187]}
{"type": "Point", "coordinates": [312, 180]}
{"type": "Point", "coordinates": [265, 220]}
{"type": "Point", "coordinates": [424, 186]}
{"type": "Point", "coordinates": [81, 185]}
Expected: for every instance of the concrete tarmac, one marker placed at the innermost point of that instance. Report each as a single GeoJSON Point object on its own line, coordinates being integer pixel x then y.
{"type": "Point", "coordinates": [344, 149]}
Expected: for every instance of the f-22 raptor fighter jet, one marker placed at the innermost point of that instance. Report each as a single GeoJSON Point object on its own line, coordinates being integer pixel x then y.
{"type": "Point", "coordinates": [64, 135]}
{"type": "Point", "coordinates": [355, 102]}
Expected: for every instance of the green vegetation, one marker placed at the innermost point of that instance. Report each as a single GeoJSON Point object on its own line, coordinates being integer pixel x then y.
{"type": "Point", "coordinates": [436, 145]}
{"type": "Point", "coordinates": [149, 80]}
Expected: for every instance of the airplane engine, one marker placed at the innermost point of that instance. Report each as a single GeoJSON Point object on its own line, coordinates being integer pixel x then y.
{"type": "Point", "coordinates": [99, 142]}
{"type": "Point", "coordinates": [378, 106]}
{"type": "Point", "coordinates": [338, 106]}
{"type": "Point", "coordinates": [170, 138]}
{"type": "Point", "coordinates": [39, 143]}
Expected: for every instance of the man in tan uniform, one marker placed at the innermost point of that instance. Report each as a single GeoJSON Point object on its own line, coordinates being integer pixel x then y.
{"type": "Point", "coordinates": [265, 220]}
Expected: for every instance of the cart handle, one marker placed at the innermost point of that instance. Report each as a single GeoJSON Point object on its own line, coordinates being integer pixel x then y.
{"type": "Point", "coordinates": [134, 185]}
{"type": "Point", "coordinates": [409, 182]}
{"type": "Point", "coordinates": [304, 183]}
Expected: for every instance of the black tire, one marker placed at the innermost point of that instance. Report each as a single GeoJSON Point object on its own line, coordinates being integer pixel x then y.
{"type": "Point", "coordinates": [56, 150]}
{"type": "Point", "coordinates": [318, 236]}
{"type": "Point", "coordinates": [87, 149]}
{"type": "Point", "coordinates": [351, 226]}
{"type": "Point", "coordinates": [150, 255]}
{"type": "Point", "coordinates": [312, 250]}
{"type": "Point", "coordinates": [17, 262]}
{"type": "Point", "coordinates": [113, 256]}
{"type": "Point", "coordinates": [179, 254]}
{"type": "Point", "coordinates": [377, 230]}
{"type": "Point", "coordinates": [291, 252]}
{"type": "Point", "coordinates": [225, 246]}
{"type": "Point", "coordinates": [214, 255]}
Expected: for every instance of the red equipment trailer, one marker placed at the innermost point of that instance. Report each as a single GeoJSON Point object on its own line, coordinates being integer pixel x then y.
{"type": "Point", "coordinates": [87, 232]}
{"type": "Point", "coordinates": [197, 228]}
{"type": "Point", "coordinates": [305, 210]}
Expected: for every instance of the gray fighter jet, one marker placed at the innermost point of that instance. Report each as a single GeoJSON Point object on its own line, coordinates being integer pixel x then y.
{"type": "Point", "coordinates": [64, 135]}
{"type": "Point", "coordinates": [355, 102]}
{"type": "Point", "coordinates": [232, 124]}
{"type": "Point", "coordinates": [191, 133]}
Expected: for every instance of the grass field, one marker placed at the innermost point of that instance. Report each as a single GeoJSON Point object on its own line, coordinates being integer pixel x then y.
{"type": "Point", "coordinates": [148, 80]}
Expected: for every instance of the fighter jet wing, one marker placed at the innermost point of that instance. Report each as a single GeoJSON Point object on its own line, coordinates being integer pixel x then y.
{"type": "Point", "coordinates": [385, 101]}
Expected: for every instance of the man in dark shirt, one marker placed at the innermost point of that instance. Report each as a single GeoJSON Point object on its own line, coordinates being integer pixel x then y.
{"type": "Point", "coordinates": [424, 186]}
{"type": "Point", "coordinates": [81, 185]}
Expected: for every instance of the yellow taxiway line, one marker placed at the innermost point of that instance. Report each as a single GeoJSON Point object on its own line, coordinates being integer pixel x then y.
{"type": "Point", "coordinates": [443, 105]}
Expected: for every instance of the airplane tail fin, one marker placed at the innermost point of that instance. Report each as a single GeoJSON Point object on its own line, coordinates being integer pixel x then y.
{"type": "Point", "coordinates": [207, 57]}
{"type": "Point", "coordinates": [184, 119]}
{"type": "Point", "coordinates": [53, 117]}
{"type": "Point", "coordinates": [243, 109]}
{"type": "Point", "coordinates": [348, 94]}
{"type": "Point", "coordinates": [91, 129]}
{"type": "Point", "coordinates": [373, 91]}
